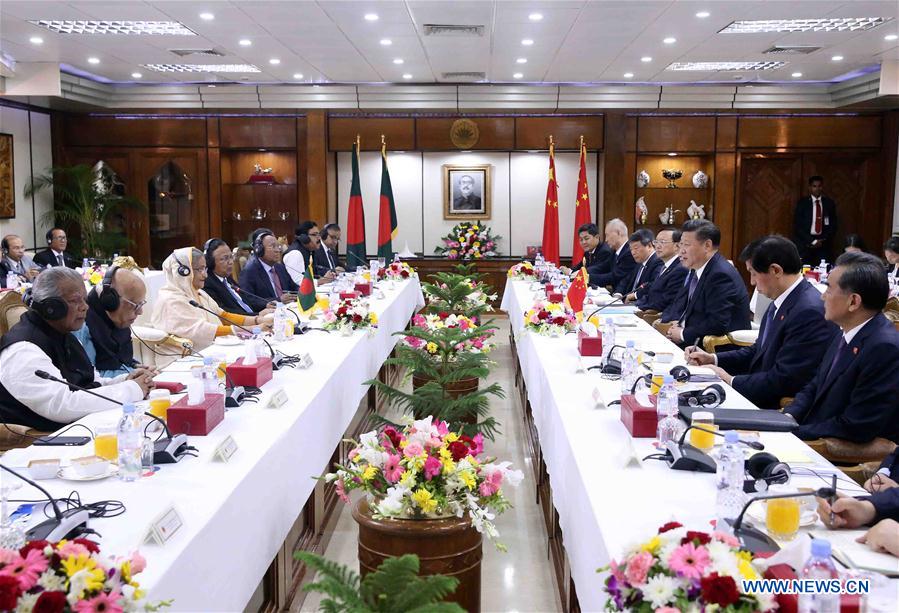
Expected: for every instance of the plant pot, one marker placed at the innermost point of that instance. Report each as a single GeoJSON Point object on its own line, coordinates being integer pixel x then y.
{"type": "Point", "coordinates": [450, 547]}
{"type": "Point", "coordinates": [453, 390]}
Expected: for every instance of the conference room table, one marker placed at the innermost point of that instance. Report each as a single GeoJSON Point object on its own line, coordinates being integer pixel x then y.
{"type": "Point", "coordinates": [605, 499]}
{"type": "Point", "coordinates": [236, 515]}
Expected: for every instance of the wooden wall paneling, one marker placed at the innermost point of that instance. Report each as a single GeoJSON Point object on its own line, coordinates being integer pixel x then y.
{"type": "Point", "coordinates": [214, 164]}
{"type": "Point", "coordinates": [258, 132]}
{"type": "Point", "coordinates": [433, 134]}
{"type": "Point", "coordinates": [317, 165]}
{"type": "Point", "coordinates": [533, 132]}
{"type": "Point", "coordinates": [84, 131]}
{"type": "Point", "coordinates": [808, 132]}
{"type": "Point", "coordinates": [689, 134]}
{"type": "Point", "coordinates": [342, 131]}
{"type": "Point", "coordinates": [726, 133]}
{"type": "Point", "coordinates": [723, 211]}
{"type": "Point", "coordinates": [212, 132]}
{"type": "Point", "coordinates": [889, 154]}
{"type": "Point", "coordinates": [619, 171]}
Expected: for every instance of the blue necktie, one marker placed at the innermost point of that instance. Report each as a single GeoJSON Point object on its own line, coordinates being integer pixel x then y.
{"type": "Point", "coordinates": [769, 320]}
{"type": "Point", "coordinates": [844, 348]}
{"type": "Point", "coordinates": [242, 304]}
{"type": "Point", "coordinates": [694, 281]}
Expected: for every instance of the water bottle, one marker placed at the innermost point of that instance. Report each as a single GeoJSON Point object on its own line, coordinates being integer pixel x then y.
{"type": "Point", "coordinates": [12, 280]}
{"type": "Point", "coordinates": [130, 443]}
{"type": "Point", "coordinates": [729, 477]}
{"type": "Point", "coordinates": [280, 324]}
{"type": "Point", "coordinates": [819, 567]}
{"type": "Point", "coordinates": [85, 264]}
{"type": "Point", "coordinates": [261, 349]}
{"type": "Point", "coordinates": [608, 338]}
{"type": "Point", "coordinates": [666, 411]}
{"type": "Point", "coordinates": [628, 367]}
{"type": "Point", "coordinates": [210, 376]}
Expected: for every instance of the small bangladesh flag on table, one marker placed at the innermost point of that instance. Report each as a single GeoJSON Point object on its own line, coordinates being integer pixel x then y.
{"type": "Point", "coordinates": [306, 298]}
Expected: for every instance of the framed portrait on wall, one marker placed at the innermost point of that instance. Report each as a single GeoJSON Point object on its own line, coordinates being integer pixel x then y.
{"type": "Point", "coordinates": [7, 178]}
{"type": "Point", "coordinates": [466, 192]}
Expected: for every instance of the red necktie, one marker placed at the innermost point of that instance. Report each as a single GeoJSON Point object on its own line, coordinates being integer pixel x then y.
{"type": "Point", "coordinates": [818, 216]}
{"type": "Point", "coordinates": [276, 282]}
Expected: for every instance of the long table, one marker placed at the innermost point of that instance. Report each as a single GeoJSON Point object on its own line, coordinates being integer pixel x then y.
{"type": "Point", "coordinates": [236, 515]}
{"type": "Point", "coordinates": [597, 506]}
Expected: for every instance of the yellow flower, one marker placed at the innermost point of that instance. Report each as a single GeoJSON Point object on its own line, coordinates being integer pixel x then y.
{"type": "Point", "coordinates": [425, 500]}
{"type": "Point", "coordinates": [445, 454]}
{"type": "Point", "coordinates": [373, 318]}
{"type": "Point", "coordinates": [431, 347]}
{"type": "Point", "coordinates": [449, 466]}
{"type": "Point", "coordinates": [73, 564]}
{"type": "Point", "coordinates": [651, 545]}
{"type": "Point", "coordinates": [452, 437]}
{"type": "Point", "coordinates": [369, 473]}
{"type": "Point", "coordinates": [407, 479]}
{"type": "Point", "coordinates": [96, 278]}
{"type": "Point", "coordinates": [467, 478]}
{"type": "Point", "coordinates": [477, 244]}
{"type": "Point", "coordinates": [126, 571]}
{"type": "Point", "coordinates": [747, 570]}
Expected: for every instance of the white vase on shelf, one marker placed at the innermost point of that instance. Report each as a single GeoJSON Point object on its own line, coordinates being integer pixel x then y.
{"type": "Point", "coordinates": [643, 179]}
{"type": "Point", "coordinates": [700, 180]}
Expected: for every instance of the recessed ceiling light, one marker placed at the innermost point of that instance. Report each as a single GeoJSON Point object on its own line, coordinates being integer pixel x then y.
{"type": "Point", "coordinates": [115, 27]}
{"type": "Point", "coordinates": [517, 75]}
{"type": "Point", "coordinates": [36, 40]}
{"type": "Point", "coordinates": [521, 60]}
{"type": "Point", "coordinates": [315, 86]}
{"type": "Point", "coordinates": [245, 42]}
{"type": "Point", "coordinates": [371, 17]}
{"type": "Point", "coordinates": [207, 16]}
{"type": "Point", "coordinates": [398, 61]}
{"type": "Point", "coordinates": [672, 155]}
{"type": "Point", "coordinates": [713, 66]}
{"type": "Point", "coordinates": [628, 75]}
{"type": "Point", "coordinates": [93, 60]}
{"type": "Point", "coordinates": [837, 58]}
{"type": "Point", "coordinates": [535, 16]}
{"type": "Point", "coordinates": [274, 61]}
{"type": "Point", "coordinates": [645, 58]}
{"type": "Point", "coordinates": [298, 75]}
{"type": "Point", "coordinates": [796, 75]}
{"type": "Point", "coordinates": [407, 76]}
{"type": "Point", "coordinates": [386, 42]}
{"type": "Point", "coordinates": [703, 14]}
{"type": "Point", "coordinates": [136, 75]}
{"type": "Point", "coordinates": [835, 24]}
{"type": "Point", "coordinates": [527, 42]}
{"type": "Point", "coordinates": [891, 37]}
{"type": "Point", "coordinates": [210, 86]}
{"type": "Point", "coordinates": [670, 40]}
{"type": "Point", "coordinates": [202, 67]}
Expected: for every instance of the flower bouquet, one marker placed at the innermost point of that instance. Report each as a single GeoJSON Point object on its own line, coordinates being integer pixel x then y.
{"type": "Point", "coordinates": [349, 315]}
{"type": "Point", "coordinates": [549, 318]}
{"type": "Point", "coordinates": [425, 471]}
{"type": "Point", "coordinates": [94, 275]}
{"type": "Point", "coordinates": [468, 241]}
{"type": "Point", "coordinates": [684, 570]}
{"type": "Point", "coordinates": [431, 322]}
{"type": "Point", "coordinates": [397, 271]}
{"type": "Point", "coordinates": [70, 576]}
{"type": "Point", "coordinates": [523, 271]}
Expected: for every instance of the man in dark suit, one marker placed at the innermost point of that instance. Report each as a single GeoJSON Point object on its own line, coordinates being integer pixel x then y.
{"type": "Point", "coordinates": [891, 253]}
{"type": "Point", "coordinates": [815, 223]}
{"type": "Point", "coordinates": [854, 393]}
{"type": "Point", "coordinates": [597, 254]}
{"type": "Point", "coordinates": [649, 265]}
{"type": "Point", "coordinates": [623, 264]}
{"type": "Point", "coordinates": [665, 287]}
{"type": "Point", "coordinates": [325, 257]}
{"type": "Point", "coordinates": [266, 276]}
{"type": "Point", "coordinates": [713, 300]}
{"type": "Point", "coordinates": [55, 253]}
{"type": "Point", "coordinates": [793, 336]}
{"type": "Point", "coordinates": [467, 200]}
{"type": "Point", "coordinates": [219, 284]}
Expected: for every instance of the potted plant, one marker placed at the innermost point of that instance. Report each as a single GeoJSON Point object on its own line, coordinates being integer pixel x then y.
{"type": "Point", "coordinates": [454, 292]}
{"type": "Point", "coordinates": [394, 586]}
{"type": "Point", "coordinates": [91, 200]}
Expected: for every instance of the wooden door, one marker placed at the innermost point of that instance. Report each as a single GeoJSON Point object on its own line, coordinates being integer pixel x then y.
{"type": "Point", "coordinates": [769, 188]}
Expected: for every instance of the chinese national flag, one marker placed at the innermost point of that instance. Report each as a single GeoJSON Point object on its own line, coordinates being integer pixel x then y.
{"type": "Point", "coordinates": [551, 215]}
{"type": "Point", "coordinates": [581, 207]}
{"type": "Point", "coordinates": [577, 292]}
{"type": "Point", "coordinates": [355, 225]}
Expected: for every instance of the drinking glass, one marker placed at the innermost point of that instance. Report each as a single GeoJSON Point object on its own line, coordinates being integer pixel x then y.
{"type": "Point", "coordinates": [700, 436]}
{"type": "Point", "coordinates": [782, 515]}
{"type": "Point", "coordinates": [106, 442]}
{"type": "Point", "coordinates": [11, 535]}
{"type": "Point", "coordinates": [160, 401]}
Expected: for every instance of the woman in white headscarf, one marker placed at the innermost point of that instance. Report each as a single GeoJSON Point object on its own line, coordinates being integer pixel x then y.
{"type": "Point", "coordinates": [185, 273]}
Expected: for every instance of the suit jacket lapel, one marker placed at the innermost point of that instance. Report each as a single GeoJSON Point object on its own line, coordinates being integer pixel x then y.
{"type": "Point", "coordinates": [777, 323]}
{"type": "Point", "coordinates": [705, 275]}
{"type": "Point", "coordinates": [845, 361]}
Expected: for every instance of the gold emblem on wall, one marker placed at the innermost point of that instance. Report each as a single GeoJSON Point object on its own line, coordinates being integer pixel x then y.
{"type": "Point", "coordinates": [464, 133]}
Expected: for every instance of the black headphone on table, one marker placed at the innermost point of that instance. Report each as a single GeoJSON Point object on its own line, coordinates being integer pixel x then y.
{"type": "Point", "coordinates": [50, 309]}
{"type": "Point", "coordinates": [258, 247]}
{"type": "Point", "coordinates": [109, 296]}
{"type": "Point", "coordinates": [765, 468]}
{"type": "Point", "coordinates": [183, 269]}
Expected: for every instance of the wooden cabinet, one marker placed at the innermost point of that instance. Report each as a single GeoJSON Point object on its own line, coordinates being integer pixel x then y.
{"type": "Point", "coordinates": [658, 195]}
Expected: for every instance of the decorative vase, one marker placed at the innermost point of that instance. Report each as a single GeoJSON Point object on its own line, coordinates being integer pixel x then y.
{"type": "Point", "coordinates": [672, 175]}
{"type": "Point", "coordinates": [700, 180]}
{"type": "Point", "coordinates": [450, 546]}
{"type": "Point", "coordinates": [643, 179]}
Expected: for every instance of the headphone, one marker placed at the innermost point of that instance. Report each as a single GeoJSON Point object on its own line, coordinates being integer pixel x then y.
{"type": "Point", "coordinates": [50, 309]}
{"type": "Point", "coordinates": [208, 247]}
{"type": "Point", "coordinates": [183, 269]}
{"type": "Point", "coordinates": [258, 247]}
{"type": "Point", "coordinates": [4, 246]}
{"type": "Point", "coordinates": [765, 468]}
{"type": "Point", "coordinates": [109, 297]}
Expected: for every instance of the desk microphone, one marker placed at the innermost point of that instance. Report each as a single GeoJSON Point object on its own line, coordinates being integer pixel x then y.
{"type": "Point", "coordinates": [300, 328]}
{"type": "Point", "coordinates": [683, 456]}
{"type": "Point", "coordinates": [61, 526]}
{"type": "Point", "coordinates": [608, 304]}
{"type": "Point", "coordinates": [757, 541]}
{"type": "Point", "coordinates": [165, 451]}
{"type": "Point", "coordinates": [276, 356]}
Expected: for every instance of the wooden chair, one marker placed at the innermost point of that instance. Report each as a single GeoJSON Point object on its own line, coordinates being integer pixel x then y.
{"type": "Point", "coordinates": [855, 459]}
{"type": "Point", "coordinates": [649, 316]}
{"type": "Point", "coordinates": [128, 263]}
{"type": "Point", "coordinates": [154, 347]}
{"type": "Point", "coordinates": [662, 326]}
{"type": "Point", "coordinates": [741, 338]}
{"type": "Point", "coordinates": [11, 310]}
{"type": "Point", "coordinates": [891, 311]}
{"type": "Point", "coordinates": [241, 257]}
{"type": "Point", "coordinates": [15, 436]}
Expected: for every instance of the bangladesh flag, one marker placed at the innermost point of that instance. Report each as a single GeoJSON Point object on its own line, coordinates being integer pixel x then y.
{"type": "Point", "coordinates": [355, 227]}
{"type": "Point", "coordinates": [387, 226]}
{"type": "Point", "coordinates": [306, 299]}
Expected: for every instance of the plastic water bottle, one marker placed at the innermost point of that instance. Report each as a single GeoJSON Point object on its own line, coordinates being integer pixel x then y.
{"type": "Point", "coordinates": [280, 324]}
{"type": "Point", "coordinates": [12, 280]}
{"type": "Point", "coordinates": [261, 349]}
{"type": "Point", "coordinates": [210, 376]}
{"type": "Point", "coordinates": [85, 264]}
{"type": "Point", "coordinates": [819, 567]}
{"type": "Point", "coordinates": [130, 443]}
{"type": "Point", "coordinates": [729, 480]}
{"type": "Point", "coordinates": [608, 337]}
{"type": "Point", "coordinates": [628, 367]}
{"type": "Point", "coordinates": [666, 410]}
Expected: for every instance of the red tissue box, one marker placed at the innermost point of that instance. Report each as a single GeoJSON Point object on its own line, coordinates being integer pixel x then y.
{"type": "Point", "coordinates": [364, 289]}
{"type": "Point", "coordinates": [196, 420]}
{"type": "Point", "coordinates": [555, 297]}
{"type": "Point", "coordinates": [589, 345]}
{"type": "Point", "coordinates": [349, 295]}
{"type": "Point", "coordinates": [254, 375]}
{"type": "Point", "coordinates": [789, 603]}
{"type": "Point", "coordinates": [640, 421]}
{"type": "Point", "coordinates": [173, 386]}
{"type": "Point", "coordinates": [813, 274]}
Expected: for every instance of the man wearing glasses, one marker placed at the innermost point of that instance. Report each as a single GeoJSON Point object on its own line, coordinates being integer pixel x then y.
{"type": "Point", "coordinates": [112, 307]}
{"type": "Point", "coordinates": [665, 286]}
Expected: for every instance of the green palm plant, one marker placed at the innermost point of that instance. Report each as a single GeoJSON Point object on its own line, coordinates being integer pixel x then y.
{"type": "Point", "coordinates": [395, 586]}
{"type": "Point", "coordinates": [449, 291]}
{"type": "Point", "coordinates": [85, 198]}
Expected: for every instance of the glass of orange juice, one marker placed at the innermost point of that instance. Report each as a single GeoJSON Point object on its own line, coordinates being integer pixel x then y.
{"type": "Point", "coordinates": [782, 516]}
{"type": "Point", "coordinates": [106, 442]}
{"type": "Point", "coordinates": [658, 376]}
{"type": "Point", "coordinates": [160, 401]}
{"type": "Point", "coordinates": [701, 435]}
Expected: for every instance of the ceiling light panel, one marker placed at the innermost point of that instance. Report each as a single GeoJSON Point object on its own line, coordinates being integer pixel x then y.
{"type": "Point", "coordinates": [202, 67]}
{"type": "Point", "coordinates": [836, 24]}
{"type": "Point", "coordinates": [170, 28]}
{"type": "Point", "coordinates": [725, 66]}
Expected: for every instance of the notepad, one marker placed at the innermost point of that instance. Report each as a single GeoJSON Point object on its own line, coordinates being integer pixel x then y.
{"type": "Point", "coordinates": [846, 550]}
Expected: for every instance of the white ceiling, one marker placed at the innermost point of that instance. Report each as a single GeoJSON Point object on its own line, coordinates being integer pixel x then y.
{"type": "Point", "coordinates": [330, 41]}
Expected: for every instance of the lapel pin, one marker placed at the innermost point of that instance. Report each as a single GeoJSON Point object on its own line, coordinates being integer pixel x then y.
{"type": "Point", "coordinates": [855, 351]}
{"type": "Point", "coordinates": [781, 317]}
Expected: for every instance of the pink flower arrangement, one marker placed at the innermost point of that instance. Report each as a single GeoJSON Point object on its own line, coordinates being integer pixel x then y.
{"type": "Point", "coordinates": [550, 318]}
{"type": "Point", "coordinates": [467, 241]}
{"type": "Point", "coordinates": [399, 271]}
{"type": "Point", "coordinates": [524, 271]}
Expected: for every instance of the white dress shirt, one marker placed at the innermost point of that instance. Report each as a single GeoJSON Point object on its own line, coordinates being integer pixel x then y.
{"type": "Point", "coordinates": [670, 262]}
{"type": "Point", "coordinates": [850, 334]}
{"type": "Point", "coordinates": [55, 401]}
{"type": "Point", "coordinates": [295, 264]}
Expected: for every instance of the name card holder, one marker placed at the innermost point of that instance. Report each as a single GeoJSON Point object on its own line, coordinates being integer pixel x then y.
{"type": "Point", "coordinates": [225, 450]}
{"type": "Point", "coordinates": [277, 400]}
{"type": "Point", "coordinates": [163, 527]}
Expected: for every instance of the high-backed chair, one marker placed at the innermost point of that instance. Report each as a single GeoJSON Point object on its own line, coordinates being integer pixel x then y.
{"type": "Point", "coordinates": [740, 338]}
{"type": "Point", "coordinates": [14, 436]}
{"type": "Point", "coordinates": [154, 347]}
{"type": "Point", "coordinates": [649, 316]}
{"type": "Point", "coordinates": [855, 459]}
{"type": "Point", "coordinates": [241, 256]}
{"type": "Point", "coordinates": [891, 311]}
{"type": "Point", "coordinates": [11, 310]}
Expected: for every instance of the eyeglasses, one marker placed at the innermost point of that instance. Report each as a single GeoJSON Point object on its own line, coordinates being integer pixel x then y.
{"type": "Point", "coordinates": [225, 258]}
{"type": "Point", "coordinates": [656, 243]}
{"type": "Point", "coordinates": [137, 306]}
{"type": "Point", "coordinates": [315, 233]}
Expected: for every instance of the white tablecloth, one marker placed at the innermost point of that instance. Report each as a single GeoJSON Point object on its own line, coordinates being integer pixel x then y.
{"type": "Point", "coordinates": [237, 514]}
{"type": "Point", "coordinates": [603, 506]}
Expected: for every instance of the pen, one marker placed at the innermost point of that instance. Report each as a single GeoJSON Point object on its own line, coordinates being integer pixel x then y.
{"type": "Point", "coordinates": [833, 498]}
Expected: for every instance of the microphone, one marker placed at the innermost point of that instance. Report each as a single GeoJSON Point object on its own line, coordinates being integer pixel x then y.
{"type": "Point", "coordinates": [276, 357]}
{"type": "Point", "coordinates": [756, 541]}
{"type": "Point", "coordinates": [683, 456]}
{"type": "Point", "coordinates": [62, 525]}
{"type": "Point", "coordinates": [300, 328]}
{"type": "Point", "coordinates": [608, 304]}
{"type": "Point", "coordinates": [234, 394]}
{"type": "Point", "coordinates": [165, 451]}
{"type": "Point", "coordinates": [753, 444]}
